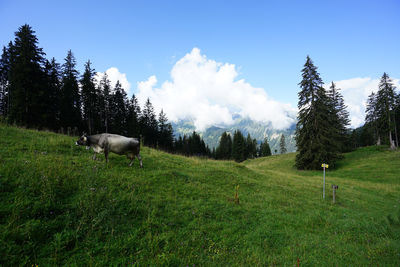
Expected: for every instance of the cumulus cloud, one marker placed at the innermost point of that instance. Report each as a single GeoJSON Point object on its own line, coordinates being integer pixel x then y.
{"type": "Point", "coordinates": [355, 93]}
{"type": "Point", "coordinates": [209, 93]}
{"type": "Point", "coordinates": [114, 75]}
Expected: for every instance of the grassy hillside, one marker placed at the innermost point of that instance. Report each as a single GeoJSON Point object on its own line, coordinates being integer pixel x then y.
{"type": "Point", "coordinates": [58, 207]}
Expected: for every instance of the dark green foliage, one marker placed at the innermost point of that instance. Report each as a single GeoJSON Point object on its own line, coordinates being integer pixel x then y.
{"type": "Point", "coordinates": [149, 124]}
{"type": "Point", "coordinates": [165, 133]}
{"type": "Point", "coordinates": [26, 77]}
{"type": "Point", "coordinates": [238, 147]}
{"type": "Point", "coordinates": [134, 113]}
{"type": "Point", "coordinates": [192, 145]}
{"type": "Point", "coordinates": [316, 138]}
{"type": "Point", "coordinates": [118, 110]}
{"type": "Point", "coordinates": [265, 149]}
{"type": "Point", "coordinates": [251, 147]}
{"type": "Point", "coordinates": [371, 118]}
{"type": "Point", "coordinates": [90, 114]}
{"type": "Point", "coordinates": [340, 118]}
{"type": "Point", "coordinates": [385, 107]}
{"type": "Point", "coordinates": [282, 144]}
{"type": "Point", "coordinates": [224, 149]}
{"type": "Point", "coordinates": [70, 102]}
{"type": "Point", "coordinates": [4, 84]}
{"type": "Point", "coordinates": [105, 102]}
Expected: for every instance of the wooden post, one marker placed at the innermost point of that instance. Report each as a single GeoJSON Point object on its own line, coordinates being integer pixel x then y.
{"type": "Point", "coordinates": [334, 187]}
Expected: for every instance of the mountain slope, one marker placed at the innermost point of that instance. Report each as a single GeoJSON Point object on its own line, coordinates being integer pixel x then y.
{"type": "Point", "coordinates": [257, 130]}
{"type": "Point", "coordinates": [58, 207]}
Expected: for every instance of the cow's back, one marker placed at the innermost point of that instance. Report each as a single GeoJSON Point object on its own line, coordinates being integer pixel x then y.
{"type": "Point", "coordinates": [122, 145]}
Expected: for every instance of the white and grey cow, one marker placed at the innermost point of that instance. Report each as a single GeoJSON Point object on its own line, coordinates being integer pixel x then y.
{"type": "Point", "coordinates": [118, 144]}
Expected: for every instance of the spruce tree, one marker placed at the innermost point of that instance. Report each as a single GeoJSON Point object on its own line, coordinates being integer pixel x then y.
{"type": "Point", "coordinates": [165, 132]}
{"type": "Point", "coordinates": [52, 99]}
{"type": "Point", "coordinates": [385, 109]}
{"type": "Point", "coordinates": [4, 80]}
{"type": "Point", "coordinates": [224, 149]}
{"type": "Point", "coordinates": [282, 144]}
{"type": "Point", "coordinates": [339, 117]}
{"type": "Point", "coordinates": [26, 79]}
{"type": "Point", "coordinates": [134, 113]}
{"type": "Point", "coordinates": [238, 147]}
{"type": "Point", "coordinates": [119, 110]}
{"type": "Point", "coordinates": [89, 99]}
{"type": "Point", "coordinates": [149, 124]}
{"type": "Point", "coordinates": [70, 106]}
{"type": "Point", "coordinates": [105, 102]}
{"type": "Point", "coordinates": [265, 149]}
{"type": "Point", "coordinates": [371, 117]}
{"type": "Point", "coordinates": [315, 136]}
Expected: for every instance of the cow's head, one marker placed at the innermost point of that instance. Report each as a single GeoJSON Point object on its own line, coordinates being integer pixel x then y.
{"type": "Point", "coordinates": [82, 141]}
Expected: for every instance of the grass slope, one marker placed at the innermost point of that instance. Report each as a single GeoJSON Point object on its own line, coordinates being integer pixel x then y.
{"type": "Point", "coordinates": [58, 207]}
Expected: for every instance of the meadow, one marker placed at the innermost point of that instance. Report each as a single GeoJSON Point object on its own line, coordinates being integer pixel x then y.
{"type": "Point", "coordinates": [59, 207]}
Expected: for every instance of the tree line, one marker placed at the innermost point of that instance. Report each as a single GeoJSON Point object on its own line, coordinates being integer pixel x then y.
{"type": "Point", "coordinates": [322, 132]}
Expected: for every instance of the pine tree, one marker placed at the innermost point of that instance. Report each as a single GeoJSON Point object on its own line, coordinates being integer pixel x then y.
{"type": "Point", "coordinates": [165, 132]}
{"type": "Point", "coordinates": [149, 124]}
{"type": "Point", "coordinates": [105, 102]}
{"type": "Point", "coordinates": [89, 99]}
{"type": "Point", "coordinates": [52, 99]}
{"type": "Point", "coordinates": [315, 136]}
{"type": "Point", "coordinates": [371, 118]}
{"type": "Point", "coordinates": [26, 79]}
{"type": "Point", "coordinates": [4, 80]}
{"type": "Point", "coordinates": [70, 105]}
{"type": "Point", "coordinates": [282, 144]}
{"type": "Point", "coordinates": [265, 149]}
{"type": "Point", "coordinates": [340, 117]}
{"type": "Point", "coordinates": [224, 149]}
{"type": "Point", "coordinates": [238, 147]}
{"type": "Point", "coordinates": [119, 110]}
{"type": "Point", "coordinates": [385, 109]}
{"type": "Point", "coordinates": [134, 113]}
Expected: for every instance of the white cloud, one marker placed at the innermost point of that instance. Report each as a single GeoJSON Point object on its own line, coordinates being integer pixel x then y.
{"type": "Point", "coordinates": [355, 92]}
{"type": "Point", "coordinates": [209, 93]}
{"type": "Point", "coordinates": [114, 75]}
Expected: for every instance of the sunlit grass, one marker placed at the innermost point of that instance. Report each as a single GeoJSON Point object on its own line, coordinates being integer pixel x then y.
{"type": "Point", "coordinates": [58, 207]}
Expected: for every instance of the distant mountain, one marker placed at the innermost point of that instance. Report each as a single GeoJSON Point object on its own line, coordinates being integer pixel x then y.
{"type": "Point", "coordinates": [257, 130]}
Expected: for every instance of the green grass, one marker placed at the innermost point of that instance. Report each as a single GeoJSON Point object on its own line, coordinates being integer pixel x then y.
{"type": "Point", "coordinates": [58, 207]}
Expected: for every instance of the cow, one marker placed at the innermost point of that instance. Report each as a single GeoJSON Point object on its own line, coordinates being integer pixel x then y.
{"type": "Point", "coordinates": [106, 143]}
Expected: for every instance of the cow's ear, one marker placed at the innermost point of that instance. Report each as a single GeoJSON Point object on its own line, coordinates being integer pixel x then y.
{"type": "Point", "coordinates": [84, 134]}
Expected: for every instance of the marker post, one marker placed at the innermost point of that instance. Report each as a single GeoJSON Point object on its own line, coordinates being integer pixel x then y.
{"type": "Point", "coordinates": [324, 165]}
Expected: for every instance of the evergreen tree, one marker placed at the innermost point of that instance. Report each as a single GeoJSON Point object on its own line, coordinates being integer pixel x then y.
{"type": "Point", "coordinates": [134, 113]}
{"type": "Point", "coordinates": [385, 109]}
{"type": "Point", "coordinates": [4, 83]}
{"type": "Point", "coordinates": [238, 147]}
{"type": "Point", "coordinates": [26, 79]}
{"type": "Point", "coordinates": [251, 147]}
{"type": "Point", "coordinates": [89, 99]}
{"type": "Point", "coordinates": [70, 105]}
{"type": "Point", "coordinates": [165, 132]}
{"type": "Point", "coordinates": [265, 149]}
{"type": "Point", "coordinates": [119, 110]}
{"type": "Point", "coordinates": [224, 149]}
{"type": "Point", "coordinates": [149, 124]}
{"type": "Point", "coordinates": [52, 98]}
{"type": "Point", "coordinates": [315, 137]}
{"type": "Point", "coordinates": [340, 117]}
{"type": "Point", "coordinates": [282, 144]}
{"type": "Point", "coordinates": [105, 102]}
{"type": "Point", "coordinates": [371, 118]}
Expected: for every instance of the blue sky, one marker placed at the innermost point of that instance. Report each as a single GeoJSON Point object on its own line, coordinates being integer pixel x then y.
{"type": "Point", "coordinates": [267, 41]}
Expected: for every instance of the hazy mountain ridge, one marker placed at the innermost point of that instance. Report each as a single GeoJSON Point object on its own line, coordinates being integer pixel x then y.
{"type": "Point", "coordinates": [257, 130]}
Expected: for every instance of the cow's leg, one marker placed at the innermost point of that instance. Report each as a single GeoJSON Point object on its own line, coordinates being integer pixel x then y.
{"type": "Point", "coordinates": [94, 156]}
{"type": "Point", "coordinates": [131, 157]}
{"type": "Point", "coordinates": [140, 160]}
{"type": "Point", "coordinates": [106, 154]}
